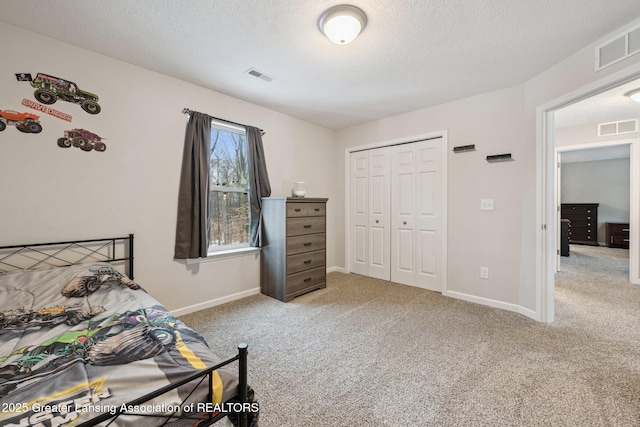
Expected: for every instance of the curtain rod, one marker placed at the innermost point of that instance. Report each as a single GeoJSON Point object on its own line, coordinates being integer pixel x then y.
{"type": "Point", "coordinates": [189, 111]}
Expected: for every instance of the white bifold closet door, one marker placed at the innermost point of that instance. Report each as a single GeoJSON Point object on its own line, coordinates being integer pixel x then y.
{"type": "Point", "coordinates": [397, 213]}
{"type": "Point", "coordinates": [370, 213]}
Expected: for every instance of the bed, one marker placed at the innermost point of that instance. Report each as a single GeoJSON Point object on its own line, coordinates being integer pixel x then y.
{"type": "Point", "coordinates": [81, 343]}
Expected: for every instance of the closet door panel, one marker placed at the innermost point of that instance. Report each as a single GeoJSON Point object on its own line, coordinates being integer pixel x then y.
{"type": "Point", "coordinates": [428, 252]}
{"type": "Point", "coordinates": [399, 191]}
{"type": "Point", "coordinates": [379, 215]}
{"type": "Point", "coordinates": [359, 244]}
{"type": "Point", "coordinates": [377, 247]}
{"type": "Point", "coordinates": [359, 208]}
{"type": "Point", "coordinates": [429, 215]}
{"type": "Point", "coordinates": [405, 197]}
{"type": "Point", "coordinates": [404, 253]}
{"type": "Point", "coordinates": [403, 206]}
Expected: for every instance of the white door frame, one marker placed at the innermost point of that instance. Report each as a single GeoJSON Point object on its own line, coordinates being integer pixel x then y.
{"type": "Point", "coordinates": [634, 197]}
{"type": "Point", "coordinates": [347, 155]}
{"type": "Point", "coordinates": [545, 186]}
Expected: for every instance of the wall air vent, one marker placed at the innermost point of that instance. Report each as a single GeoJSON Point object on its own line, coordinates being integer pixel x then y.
{"type": "Point", "coordinates": [259, 74]}
{"type": "Point", "coordinates": [616, 128]}
{"type": "Point", "coordinates": [618, 48]}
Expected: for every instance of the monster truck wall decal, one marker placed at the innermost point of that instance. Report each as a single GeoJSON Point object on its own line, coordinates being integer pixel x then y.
{"type": "Point", "coordinates": [82, 139]}
{"type": "Point", "coordinates": [49, 89]}
{"type": "Point", "coordinates": [24, 122]}
{"type": "Point", "coordinates": [48, 110]}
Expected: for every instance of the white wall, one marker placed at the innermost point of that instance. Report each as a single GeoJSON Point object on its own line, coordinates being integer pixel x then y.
{"type": "Point", "coordinates": [565, 82]}
{"type": "Point", "coordinates": [602, 181]}
{"type": "Point", "coordinates": [476, 238]}
{"type": "Point", "coordinates": [505, 240]}
{"type": "Point", "coordinates": [49, 193]}
{"type": "Point", "coordinates": [587, 134]}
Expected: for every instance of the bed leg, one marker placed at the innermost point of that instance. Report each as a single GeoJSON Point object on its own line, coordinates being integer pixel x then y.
{"type": "Point", "coordinates": [131, 256]}
{"type": "Point", "coordinates": [242, 379]}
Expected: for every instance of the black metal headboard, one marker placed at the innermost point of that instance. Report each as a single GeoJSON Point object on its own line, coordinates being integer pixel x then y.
{"type": "Point", "coordinates": [61, 254]}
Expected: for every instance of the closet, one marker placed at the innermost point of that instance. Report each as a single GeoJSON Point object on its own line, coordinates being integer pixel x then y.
{"type": "Point", "coordinates": [396, 213]}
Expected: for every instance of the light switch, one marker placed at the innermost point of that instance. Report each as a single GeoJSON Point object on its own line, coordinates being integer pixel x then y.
{"type": "Point", "coordinates": [486, 204]}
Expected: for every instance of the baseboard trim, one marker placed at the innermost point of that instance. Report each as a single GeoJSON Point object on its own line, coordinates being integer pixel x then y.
{"type": "Point", "coordinates": [493, 303]}
{"type": "Point", "coordinates": [336, 270]}
{"type": "Point", "coordinates": [212, 303]}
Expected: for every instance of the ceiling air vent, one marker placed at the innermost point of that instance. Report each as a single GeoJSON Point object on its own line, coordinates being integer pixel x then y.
{"type": "Point", "coordinates": [618, 48]}
{"type": "Point", "coordinates": [616, 128]}
{"type": "Point", "coordinates": [259, 74]}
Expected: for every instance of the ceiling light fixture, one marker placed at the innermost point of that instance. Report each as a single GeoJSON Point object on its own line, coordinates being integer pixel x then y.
{"type": "Point", "coordinates": [634, 95]}
{"type": "Point", "coordinates": [342, 24]}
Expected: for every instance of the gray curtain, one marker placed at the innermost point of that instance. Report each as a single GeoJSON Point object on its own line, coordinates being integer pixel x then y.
{"type": "Point", "coordinates": [259, 182]}
{"type": "Point", "coordinates": [192, 230]}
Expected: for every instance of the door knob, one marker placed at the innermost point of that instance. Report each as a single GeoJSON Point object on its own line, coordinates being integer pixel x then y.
{"type": "Point", "coordinates": [404, 222]}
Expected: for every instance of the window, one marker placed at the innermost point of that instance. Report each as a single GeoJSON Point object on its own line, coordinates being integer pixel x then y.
{"type": "Point", "coordinates": [229, 188]}
{"type": "Point", "coordinates": [216, 175]}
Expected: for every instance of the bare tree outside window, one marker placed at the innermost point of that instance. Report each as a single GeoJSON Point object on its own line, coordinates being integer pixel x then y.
{"type": "Point", "coordinates": [229, 188]}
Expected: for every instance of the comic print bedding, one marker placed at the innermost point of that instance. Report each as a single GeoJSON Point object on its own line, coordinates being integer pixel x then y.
{"type": "Point", "coordinates": [79, 341]}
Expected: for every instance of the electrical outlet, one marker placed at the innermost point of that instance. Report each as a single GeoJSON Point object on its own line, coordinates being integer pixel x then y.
{"type": "Point", "coordinates": [484, 272]}
{"type": "Point", "coordinates": [486, 204]}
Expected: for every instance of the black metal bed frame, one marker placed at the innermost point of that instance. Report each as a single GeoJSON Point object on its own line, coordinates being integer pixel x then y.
{"type": "Point", "coordinates": [105, 250]}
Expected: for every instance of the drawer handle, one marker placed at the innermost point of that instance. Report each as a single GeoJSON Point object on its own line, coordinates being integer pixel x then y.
{"type": "Point", "coordinates": [308, 261]}
{"type": "Point", "coordinates": [317, 209]}
{"type": "Point", "coordinates": [625, 229]}
{"type": "Point", "coordinates": [624, 240]}
{"type": "Point", "coordinates": [297, 210]}
{"type": "Point", "coordinates": [308, 244]}
{"type": "Point", "coordinates": [307, 280]}
{"type": "Point", "coordinates": [307, 226]}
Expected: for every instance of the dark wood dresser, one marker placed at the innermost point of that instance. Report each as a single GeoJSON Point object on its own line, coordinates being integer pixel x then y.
{"type": "Point", "coordinates": [584, 222]}
{"type": "Point", "coordinates": [565, 236]}
{"type": "Point", "coordinates": [293, 256]}
{"type": "Point", "coordinates": [618, 235]}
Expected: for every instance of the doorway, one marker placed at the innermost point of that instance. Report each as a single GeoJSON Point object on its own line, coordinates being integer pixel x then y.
{"type": "Point", "coordinates": [597, 172]}
{"type": "Point", "coordinates": [547, 243]}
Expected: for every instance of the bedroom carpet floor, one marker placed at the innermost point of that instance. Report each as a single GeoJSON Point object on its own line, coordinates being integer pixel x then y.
{"type": "Point", "coordinates": [366, 352]}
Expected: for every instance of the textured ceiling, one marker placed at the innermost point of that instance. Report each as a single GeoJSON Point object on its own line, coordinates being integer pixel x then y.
{"type": "Point", "coordinates": [412, 54]}
{"type": "Point", "coordinates": [595, 154]}
{"type": "Point", "coordinates": [609, 106]}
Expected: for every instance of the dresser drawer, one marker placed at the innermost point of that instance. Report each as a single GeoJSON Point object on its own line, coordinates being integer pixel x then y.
{"type": "Point", "coordinates": [305, 279]}
{"type": "Point", "coordinates": [578, 210]}
{"type": "Point", "coordinates": [305, 261]}
{"type": "Point", "coordinates": [578, 217]}
{"type": "Point", "coordinates": [618, 235]}
{"type": "Point", "coordinates": [300, 209]}
{"type": "Point", "coordinates": [307, 225]}
{"type": "Point", "coordinates": [305, 243]}
{"type": "Point", "coordinates": [582, 223]}
{"type": "Point", "coordinates": [616, 228]}
{"type": "Point", "coordinates": [296, 209]}
{"type": "Point", "coordinates": [316, 209]}
{"type": "Point", "coordinates": [619, 241]}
